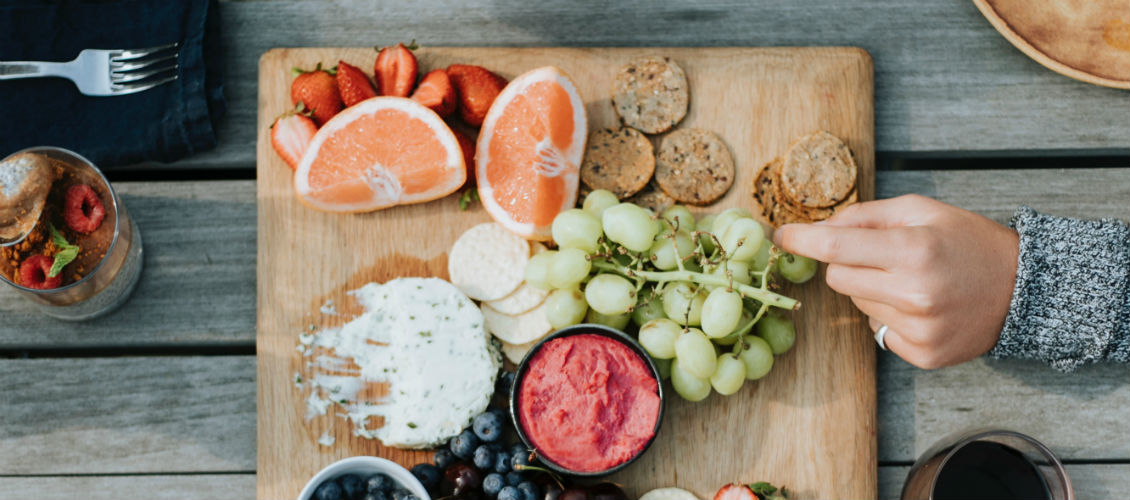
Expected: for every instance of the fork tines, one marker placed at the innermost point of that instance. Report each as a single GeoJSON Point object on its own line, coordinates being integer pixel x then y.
{"type": "Point", "coordinates": [143, 68]}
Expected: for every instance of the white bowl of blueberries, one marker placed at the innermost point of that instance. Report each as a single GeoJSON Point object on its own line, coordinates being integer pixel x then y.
{"type": "Point", "coordinates": [369, 478]}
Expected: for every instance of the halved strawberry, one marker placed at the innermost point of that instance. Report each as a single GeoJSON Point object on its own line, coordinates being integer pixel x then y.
{"type": "Point", "coordinates": [353, 84]}
{"type": "Point", "coordinates": [468, 147]}
{"type": "Point", "coordinates": [477, 88]}
{"type": "Point", "coordinates": [317, 90]}
{"type": "Point", "coordinates": [33, 273]}
{"type": "Point", "coordinates": [290, 135]}
{"type": "Point", "coordinates": [435, 92]}
{"type": "Point", "coordinates": [395, 70]}
{"type": "Point", "coordinates": [735, 492]}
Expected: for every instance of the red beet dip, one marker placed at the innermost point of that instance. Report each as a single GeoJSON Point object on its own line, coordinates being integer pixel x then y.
{"type": "Point", "coordinates": [588, 402]}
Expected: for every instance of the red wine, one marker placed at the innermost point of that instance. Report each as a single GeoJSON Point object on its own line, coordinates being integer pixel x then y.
{"type": "Point", "coordinates": [986, 470]}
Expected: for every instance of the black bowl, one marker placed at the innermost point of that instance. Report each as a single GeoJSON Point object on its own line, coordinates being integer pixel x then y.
{"type": "Point", "coordinates": [604, 331]}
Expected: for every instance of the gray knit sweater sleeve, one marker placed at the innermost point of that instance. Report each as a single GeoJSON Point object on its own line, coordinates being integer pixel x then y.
{"type": "Point", "coordinates": [1071, 303]}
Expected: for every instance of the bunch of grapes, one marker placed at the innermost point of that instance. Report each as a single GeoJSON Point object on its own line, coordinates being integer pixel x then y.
{"type": "Point", "coordinates": [699, 291]}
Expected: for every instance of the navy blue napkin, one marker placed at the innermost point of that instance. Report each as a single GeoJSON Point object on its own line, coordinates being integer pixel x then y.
{"type": "Point", "coordinates": [164, 123]}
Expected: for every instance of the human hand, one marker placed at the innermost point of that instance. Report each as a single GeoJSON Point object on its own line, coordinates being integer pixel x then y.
{"type": "Point", "coordinates": [940, 278]}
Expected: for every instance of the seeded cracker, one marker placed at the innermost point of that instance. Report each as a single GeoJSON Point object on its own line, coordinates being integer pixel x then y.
{"type": "Point", "coordinates": [651, 94]}
{"type": "Point", "coordinates": [620, 160]}
{"type": "Point", "coordinates": [488, 262]}
{"type": "Point", "coordinates": [694, 166]}
{"type": "Point", "coordinates": [818, 171]}
{"type": "Point", "coordinates": [653, 198]}
{"type": "Point", "coordinates": [779, 210]}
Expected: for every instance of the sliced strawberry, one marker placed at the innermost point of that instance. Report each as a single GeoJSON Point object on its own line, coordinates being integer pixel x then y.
{"type": "Point", "coordinates": [468, 147]}
{"type": "Point", "coordinates": [82, 209]}
{"type": "Point", "coordinates": [317, 90]}
{"type": "Point", "coordinates": [477, 88]}
{"type": "Point", "coordinates": [33, 273]}
{"type": "Point", "coordinates": [353, 84]}
{"type": "Point", "coordinates": [290, 135]}
{"type": "Point", "coordinates": [395, 71]}
{"type": "Point", "coordinates": [435, 92]}
{"type": "Point", "coordinates": [735, 492]}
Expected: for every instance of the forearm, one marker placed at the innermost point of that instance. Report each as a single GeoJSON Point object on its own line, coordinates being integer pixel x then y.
{"type": "Point", "coordinates": [1071, 302]}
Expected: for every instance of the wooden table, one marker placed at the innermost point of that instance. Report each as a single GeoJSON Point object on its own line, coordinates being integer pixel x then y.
{"type": "Point", "coordinates": [158, 399]}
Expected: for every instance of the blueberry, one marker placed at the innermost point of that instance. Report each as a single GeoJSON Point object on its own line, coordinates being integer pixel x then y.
{"type": "Point", "coordinates": [379, 482]}
{"type": "Point", "coordinates": [519, 448]}
{"type": "Point", "coordinates": [493, 484]}
{"type": "Point", "coordinates": [328, 490]}
{"type": "Point", "coordinates": [444, 458]}
{"type": "Point", "coordinates": [502, 462]}
{"type": "Point", "coordinates": [351, 486]}
{"type": "Point", "coordinates": [503, 415]}
{"type": "Point", "coordinates": [484, 457]}
{"type": "Point", "coordinates": [528, 490]}
{"type": "Point", "coordinates": [520, 459]}
{"type": "Point", "coordinates": [428, 475]}
{"type": "Point", "coordinates": [514, 478]}
{"type": "Point", "coordinates": [504, 383]}
{"type": "Point", "coordinates": [403, 494]}
{"type": "Point", "coordinates": [463, 445]}
{"type": "Point", "coordinates": [509, 493]}
{"type": "Point", "coordinates": [377, 495]}
{"type": "Point", "coordinates": [488, 427]}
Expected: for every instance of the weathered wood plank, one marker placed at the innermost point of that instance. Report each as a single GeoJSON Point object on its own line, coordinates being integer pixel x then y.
{"type": "Point", "coordinates": [210, 486]}
{"type": "Point", "coordinates": [945, 80]}
{"type": "Point", "coordinates": [198, 284]}
{"type": "Point", "coordinates": [1089, 480]}
{"type": "Point", "coordinates": [127, 415]}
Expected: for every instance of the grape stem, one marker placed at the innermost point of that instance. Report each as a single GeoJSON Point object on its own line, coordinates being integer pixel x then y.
{"type": "Point", "coordinates": [762, 295]}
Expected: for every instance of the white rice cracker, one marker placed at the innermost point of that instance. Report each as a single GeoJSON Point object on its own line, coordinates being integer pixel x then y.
{"type": "Point", "coordinates": [523, 299]}
{"type": "Point", "coordinates": [487, 262]}
{"type": "Point", "coordinates": [668, 494]}
{"type": "Point", "coordinates": [517, 329]}
{"type": "Point", "coordinates": [515, 352]}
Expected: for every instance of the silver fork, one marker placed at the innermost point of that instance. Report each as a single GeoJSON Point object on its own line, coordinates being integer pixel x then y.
{"type": "Point", "coordinates": [104, 72]}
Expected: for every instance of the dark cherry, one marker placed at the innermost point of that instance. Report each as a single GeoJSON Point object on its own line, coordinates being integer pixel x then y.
{"type": "Point", "coordinates": [607, 491]}
{"type": "Point", "coordinates": [575, 494]}
{"type": "Point", "coordinates": [462, 479]}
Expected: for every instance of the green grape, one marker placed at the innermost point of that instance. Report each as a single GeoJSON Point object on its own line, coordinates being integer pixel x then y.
{"type": "Point", "coordinates": [680, 217]}
{"type": "Point", "coordinates": [705, 224]}
{"type": "Point", "coordinates": [761, 260]}
{"type": "Point", "coordinates": [677, 297]}
{"type": "Point", "coordinates": [742, 239]}
{"type": "Point", "coordinates": [629, 225]}
{"type": "Point", "coordinates": [690, 387]}
{"type": "Point", "coordinates": [757, 356]}
{"type": "Point", "coordinates": [779, 332]}
{"type": "Point", "coordinates": [537, 270]}
{"type": "Point", "coordinates": [564, 307]}
{"type": "Point", "coordinates": [568, 268]}
{"type": "Point", "coordinates": [729, 375]}
{"type": "Point", "coordinates": [731, 339]}
{"type": "Point", "coordinates": [696, 354]}
{"type": "Point", "coordinates": [721, 312]}
{"type": "Point", "coordinates": [796, 268]}
{"type": "Point", "coordinates": [739, 271]}
{"type": "Point", "coordinates": [648, 308]}
{"type": "Point", "coordinates": [610, 294]}
{"type": "Point", "coordinates": [576, 228]}
{"type": "Point", "coordinates": [599, 200]}
{"type": "Point", "coordinates": [725, 341]}
{"type": "Point", "coordinates": [723, 220]}
{"type": "Point", "coordinates": [664, 251]}
{"type": "Point", "coordinates": [664, 368]}
{"type": "Point", "coordinates": [658, 337]}
{"type": "Point", "coordinates": [617, 321]}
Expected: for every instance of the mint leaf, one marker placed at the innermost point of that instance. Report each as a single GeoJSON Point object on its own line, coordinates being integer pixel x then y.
{"type": "Point", "coordinates": [67, 252]}
{"type": "Point", "coordinates": [57, 238]}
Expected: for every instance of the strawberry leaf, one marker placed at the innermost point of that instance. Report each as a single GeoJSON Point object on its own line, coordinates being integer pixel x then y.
{"type": "Point", "coordinates": [469, 196]}
{"type": "Point", "coordinates": [413, 45]}
{"type": "Point", "coordinates": [67, 252]}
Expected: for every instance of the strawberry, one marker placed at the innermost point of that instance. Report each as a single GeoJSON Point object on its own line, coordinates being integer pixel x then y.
{"type": "Point", "coordinates": [317, 90]}
{"type": "Point", "coordinates": [290, 135]}
{"type": "Point", "coordinates": [33, 273]}
{"type": "Point", "coordinates": [395, 70]}
{"type": "Point", "coordinates": [82, 209]}
{"type": "Point", "coordinates": [477, 87]}
{"type": "Point", "coordinates": [353, 84]}
{"type": "Point", "coordinates": [735, 492]}
{"type": "Point", "coordinates": [468, 148]}
{"type": "Point", "coordinates": [435, 92]}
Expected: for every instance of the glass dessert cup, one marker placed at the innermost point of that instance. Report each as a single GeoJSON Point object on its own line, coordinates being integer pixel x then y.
{"type": "Point", "coordinates": [107, 284]}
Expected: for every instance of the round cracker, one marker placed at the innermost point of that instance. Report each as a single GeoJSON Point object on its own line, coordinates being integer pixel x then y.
{"type": "Point", "coordinates": [620, 160]}
{"type": "Point", "coordinates": [518, 328]}
{"type": "Point", "coordinates": [488, 262]}
{"type": "Point", "coordinates": [778, 210]}
{"type": "Point", "coordinates": [651, 94]}
{"type": "Point", "coordinates": [652, 197]}
{"type": "Point", "coordinates": [515, 352]}
{"type": "Point", "coordinates": [668, 494]}
{"type": "Point", "coordinates": [818, 171]}
{"type": "Point", "coordinates": [694, 166]}
{"type": "Point", "coordinates": [523, 299]}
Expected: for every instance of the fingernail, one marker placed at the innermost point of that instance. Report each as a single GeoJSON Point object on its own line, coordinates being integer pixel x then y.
{"type": "Point", "coordinates": [777, 234]}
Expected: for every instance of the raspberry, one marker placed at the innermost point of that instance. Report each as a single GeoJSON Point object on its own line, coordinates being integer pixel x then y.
{"type": "Point", "coordinates": [82, 209]}
{"type": "Point", "coordinates": [33, 273]}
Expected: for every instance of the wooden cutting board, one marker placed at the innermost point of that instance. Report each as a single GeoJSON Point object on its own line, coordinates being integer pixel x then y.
{"type": "Point", "coordinates": [810, 424]}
